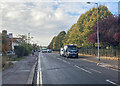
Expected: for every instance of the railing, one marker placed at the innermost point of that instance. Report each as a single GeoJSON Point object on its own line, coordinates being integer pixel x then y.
{"type": "Point", "coordinates": [103, 52]}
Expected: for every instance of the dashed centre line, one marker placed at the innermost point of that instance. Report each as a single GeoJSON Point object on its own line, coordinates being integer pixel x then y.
{"type": "Point", "coordinates": [64, 60]}
{"type": "Point", "coordinates": [112, 82]}
{"type": "Point", "coordinates": [94, 70]}
{"type": "Point", "coordinates": [76, 66]}
{"type": "Point", "coordinates": [83, 69]}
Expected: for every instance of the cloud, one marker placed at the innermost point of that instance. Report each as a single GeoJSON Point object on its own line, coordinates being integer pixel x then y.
{"type": "Point", "coordinates": [43, 20]}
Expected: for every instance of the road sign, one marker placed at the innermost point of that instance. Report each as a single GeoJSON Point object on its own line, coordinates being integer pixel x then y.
{"type": "Point", "coordinates": [10, 35]}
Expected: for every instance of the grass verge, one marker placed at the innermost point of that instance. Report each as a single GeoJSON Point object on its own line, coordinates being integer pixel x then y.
{"type": "Point", "coordinates": [18, 59]}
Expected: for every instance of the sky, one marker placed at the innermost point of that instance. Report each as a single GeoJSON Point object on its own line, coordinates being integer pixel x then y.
{"type": "Point", "coordinates": [45, 19]}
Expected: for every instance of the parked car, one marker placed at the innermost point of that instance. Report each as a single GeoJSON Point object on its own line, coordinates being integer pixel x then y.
{"type": "Point", "coordinates": [62, 52]}
{"type": "Point", "coordinates": [9, 53]}
{"type": "Point", "coordinates": [44, 50]}
{"type": "Point", "coordinates": [49, 50]}
{"type": "Point", "coordinates": [70, 51]}
{"type": "Point", "coordinates": [0, 53]}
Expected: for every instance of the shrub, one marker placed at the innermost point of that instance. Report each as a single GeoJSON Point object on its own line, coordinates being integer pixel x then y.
{"type": "Point", "coordinates": [19, 50]}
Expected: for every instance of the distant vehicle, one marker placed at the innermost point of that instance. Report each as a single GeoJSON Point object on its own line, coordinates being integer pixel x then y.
{"type": "Point", "coordinates": [9, 53]}
{"type": "Point", "coordinates": [38, 50]}
{"type": "Point", "coordinates": [62, 52]}
{"type": "Point", "coordinates": [49, 50]}
{"type": "Point", "coordinates": [70, 51]}
{"type": "Point", "coordinates": [44, 50]}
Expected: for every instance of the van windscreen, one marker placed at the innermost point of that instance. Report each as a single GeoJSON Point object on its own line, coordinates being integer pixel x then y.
{"type": "Point", "coordinates": [72, 48]}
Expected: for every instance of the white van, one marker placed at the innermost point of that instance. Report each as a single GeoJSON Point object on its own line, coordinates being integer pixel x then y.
{"type": "Point", "coordinates": [61, 52]}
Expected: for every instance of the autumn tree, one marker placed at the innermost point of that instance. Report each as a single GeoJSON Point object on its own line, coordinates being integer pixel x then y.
{"type": "Point", "coordinates": [52, 43]}
{"type": "Point", "coordinates": [109, 32]}
{"type": "Point", "coordinates": [59, 39]}
{"type": "Point", "coordinates": [78, 33]}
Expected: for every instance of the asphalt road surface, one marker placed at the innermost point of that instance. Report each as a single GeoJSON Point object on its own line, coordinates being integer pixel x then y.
{"type": "Point", "coordinates": [55, 69]}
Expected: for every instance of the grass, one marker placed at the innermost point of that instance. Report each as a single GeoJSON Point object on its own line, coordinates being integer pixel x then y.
{"type": "Point", "coordinates": [18, 59]}
{"type": "Point", "coordinates": [6, 61]}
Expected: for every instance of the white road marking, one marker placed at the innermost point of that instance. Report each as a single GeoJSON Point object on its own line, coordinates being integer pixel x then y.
{"type": "Point", "coordinates": [108, 67]}
{"type": "Point", "coordinates": [94, 70]}
{"type": "Point", "coordinates": [68, 62]}
{"type": "Point", "coordinates": [83, 69]}
{"type": "Point", "coordinates": [59, 58]}
{"type": "Point", "coordinates": [64, 60]}
{"type": "Point", "coordinates": [112, 82]}
{"type": "Point", "coordinates": [39, 72]}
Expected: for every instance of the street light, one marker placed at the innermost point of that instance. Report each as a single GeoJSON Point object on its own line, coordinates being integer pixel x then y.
{"type": "Point", "coordinates": [97, 30]}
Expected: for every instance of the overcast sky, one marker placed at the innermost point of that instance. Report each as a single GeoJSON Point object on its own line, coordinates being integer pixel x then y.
{"type": "Point", "coordinates": [43, 20]}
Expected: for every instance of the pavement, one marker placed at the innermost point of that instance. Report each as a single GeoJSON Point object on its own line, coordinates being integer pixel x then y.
{"type": "Point", "coordinates": [54, 69]}
{"type": "Point", "coordinates": [18, 73]}
{"type": "Point", "coordinates": [103, 61]}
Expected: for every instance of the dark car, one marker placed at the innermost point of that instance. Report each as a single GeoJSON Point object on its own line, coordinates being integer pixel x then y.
{"type": "Point", "coordinates": [49, 50]}
{"type": "Point", "coordinates": [9, 53]}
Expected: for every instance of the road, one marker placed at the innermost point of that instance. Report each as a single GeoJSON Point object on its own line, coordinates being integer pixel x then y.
{"type": "Point", "coordinates": [54, 69]}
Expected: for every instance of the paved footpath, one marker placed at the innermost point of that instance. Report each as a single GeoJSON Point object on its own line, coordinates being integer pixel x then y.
{"type": "Point", "coordinates": [19, 72]}
{"type": "Point", "coordinates": [103, 61]}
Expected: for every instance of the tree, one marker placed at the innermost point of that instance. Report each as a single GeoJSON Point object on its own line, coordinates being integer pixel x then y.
{"type": "Point", "coordinates": [59, 39]}
{"type": "Point", "coordinates": [52, 43]}
{"type": "Point", "coordinates": [109, 32]}
{"type": "Point", "coordinates": [5, 42]}
{"type": "Point", "coordinates": [78, 33]}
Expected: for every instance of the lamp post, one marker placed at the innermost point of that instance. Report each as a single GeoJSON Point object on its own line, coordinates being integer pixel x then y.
{"type": "Point", "coordinates": [97, 30]}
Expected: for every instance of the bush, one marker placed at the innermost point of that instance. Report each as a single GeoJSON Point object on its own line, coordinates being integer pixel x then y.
{"type": "Point", "coordinates": [19, 50]}
{"type": "Point", "coordinates": [23, 50]}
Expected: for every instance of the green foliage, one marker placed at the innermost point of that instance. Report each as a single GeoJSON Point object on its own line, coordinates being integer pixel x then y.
{"type": "Point", "coordinates": [28, 49]}
{"type": "Point", "coordinates": [18, 59]}
{"type": "Point", "coordinates": [23, 50]}
{"type": "Point", "coordinates": [19, 50]}
{"type": "Point", "coordinates": [56, 42]}
{"type": "Point", "coordinates": [51, 45]}
{"type": "Point", "coordinates": [78, 33]}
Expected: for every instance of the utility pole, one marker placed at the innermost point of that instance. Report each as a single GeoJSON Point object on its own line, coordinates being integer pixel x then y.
{"type": "Point", "coordinates": [97, 30]}
{"type": "Point", "coordinates": [28, 38]}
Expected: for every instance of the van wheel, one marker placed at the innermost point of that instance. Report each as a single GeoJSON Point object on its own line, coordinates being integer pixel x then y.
{"type": "Point", "coordinates": [67, 56]}
{"type": "Point", "coordinates": [77, 56]}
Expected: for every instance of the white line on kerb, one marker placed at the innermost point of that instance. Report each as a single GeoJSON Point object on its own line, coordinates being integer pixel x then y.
{"type": "Point", "coordinates": [112, 82]}
{"type": "Point", "coordinates": [108, 68]}
{"type": "Point", "coordinates": [39, 73]}
{"type": "Point", "coordinates": [83, 69]}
